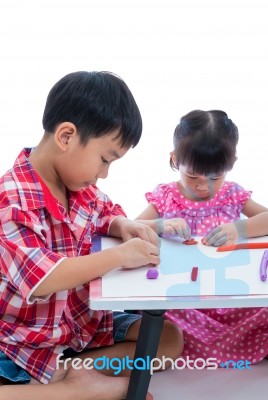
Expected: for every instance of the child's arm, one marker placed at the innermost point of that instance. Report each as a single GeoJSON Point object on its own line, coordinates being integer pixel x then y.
{"type": "Point", "coordinates": [162, 226]}
{"type": "Point", "coordinates": [256, 226]}
{"type": "Point", "coordinates": [252, 208]}
{"type": "Point", "coordinates": [126, 229]}
{"type": "Point", "coordinates": [251, 227]}
{"type": "Point", "coordinates": [75, 271]}
{"type": "Point", "coordinates": [149, 216]}
{"type": "Point", "coordinates": [245, 228]}
{"type": "Point", "coordinates": [149, 213]}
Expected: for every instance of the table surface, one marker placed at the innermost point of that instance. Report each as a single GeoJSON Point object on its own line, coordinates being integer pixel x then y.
{"type": "Point", "coordinates": [225, 279]}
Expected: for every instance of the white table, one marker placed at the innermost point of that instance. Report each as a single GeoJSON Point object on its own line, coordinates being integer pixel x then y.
{"type": "Point", "coordinates": [228, 279]}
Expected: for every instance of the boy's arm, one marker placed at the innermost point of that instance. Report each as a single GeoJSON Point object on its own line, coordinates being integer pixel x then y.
{"type": "Point", "coordinates": [75, 271]}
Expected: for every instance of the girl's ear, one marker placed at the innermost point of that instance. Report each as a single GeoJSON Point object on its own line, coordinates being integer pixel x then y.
{"type": "Point", "coordinates": [173, 161]}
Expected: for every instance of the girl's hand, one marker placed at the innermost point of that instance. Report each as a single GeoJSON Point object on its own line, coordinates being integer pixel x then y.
{"type": "Point", "coordinates": [137, 252]}
{"type": "Point", "coordinates": [174, 226]}
{"type": "Point", "coordinates": [222, 235]}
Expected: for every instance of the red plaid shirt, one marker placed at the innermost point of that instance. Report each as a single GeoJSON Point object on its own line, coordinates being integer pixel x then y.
{"type": "Point", "coordinates": [36, 234]}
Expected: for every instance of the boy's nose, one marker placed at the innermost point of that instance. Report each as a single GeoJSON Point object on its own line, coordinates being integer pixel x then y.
{"type": "Point", "coordinates": [104, 173]}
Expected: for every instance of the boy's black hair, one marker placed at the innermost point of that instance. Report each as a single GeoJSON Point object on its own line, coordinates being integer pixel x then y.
{"type": "Point", "coordinates": [206, 142]}
{"type": "Point", "coordinates": [97, 103]}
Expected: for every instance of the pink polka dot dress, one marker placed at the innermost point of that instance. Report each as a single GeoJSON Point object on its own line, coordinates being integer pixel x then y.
{"type": "Point", "coordinates": [222, 333]}
{"type": "Point", "coordinates": [201, 216]}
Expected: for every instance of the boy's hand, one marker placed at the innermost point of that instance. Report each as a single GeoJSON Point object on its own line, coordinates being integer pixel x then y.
{"type": "Point", "coordinates": [137, 252]}
{"type": "Point", "coordinates": [131, 229]}
{"type": "Point", "coordinates": [173, 226]}
{"type": "Point", "coordinates": [223, 234]}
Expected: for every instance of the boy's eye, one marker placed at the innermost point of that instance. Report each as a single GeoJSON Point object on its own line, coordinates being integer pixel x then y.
{"type": "Point", "coordinates": [104, 161]}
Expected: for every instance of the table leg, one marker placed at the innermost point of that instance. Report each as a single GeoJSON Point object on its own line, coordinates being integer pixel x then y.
{"type": "Point", "coordinates": [147, 345]}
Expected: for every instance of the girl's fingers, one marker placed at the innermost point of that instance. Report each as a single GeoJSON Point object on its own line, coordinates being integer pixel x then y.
{"type": "Point", "coordinates": [186, 232]}
{"type": "Point", "coordinates": [221, 240]}
{"type": "Point", "coordinates": [213, 233]}
{"type": "Point", "coordinates": [213, 236]}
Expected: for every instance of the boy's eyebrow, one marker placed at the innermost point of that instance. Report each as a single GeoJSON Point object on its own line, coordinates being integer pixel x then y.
{"type": "Point", "coordinates": [114, 153]}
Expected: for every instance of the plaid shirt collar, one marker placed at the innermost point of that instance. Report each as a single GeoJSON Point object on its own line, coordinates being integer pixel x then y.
{"type": "Point", "coordinates": [33, 192]}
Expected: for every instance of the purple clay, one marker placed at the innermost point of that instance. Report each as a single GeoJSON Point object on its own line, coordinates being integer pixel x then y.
{"type": "Point", "coordinates": [152, 273]}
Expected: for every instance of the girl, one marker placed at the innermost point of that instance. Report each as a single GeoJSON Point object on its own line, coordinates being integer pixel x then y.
{"type": "Point", "coordinates": [204, 151]}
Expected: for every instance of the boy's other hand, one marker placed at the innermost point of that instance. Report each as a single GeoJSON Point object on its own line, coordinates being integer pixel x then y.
{"type": "Point", "coordinates": [137, 252]}
{"type": "Point", "coordinates": [132, 229]}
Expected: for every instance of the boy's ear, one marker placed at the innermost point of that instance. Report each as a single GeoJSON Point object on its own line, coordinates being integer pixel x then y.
{"type": "Point", "coordinates": [64, 135]}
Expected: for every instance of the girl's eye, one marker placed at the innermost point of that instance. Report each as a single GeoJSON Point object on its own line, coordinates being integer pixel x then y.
{"type": "Point", "coordinates": [104, 161]}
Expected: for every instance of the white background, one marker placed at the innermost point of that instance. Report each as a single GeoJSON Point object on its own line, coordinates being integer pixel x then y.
{"type": "Point", "coordinates": [175, 56]}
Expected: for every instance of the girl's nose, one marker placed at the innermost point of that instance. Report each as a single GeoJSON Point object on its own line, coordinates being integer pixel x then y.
{"type": "Point", "coordinates": [202, 183]}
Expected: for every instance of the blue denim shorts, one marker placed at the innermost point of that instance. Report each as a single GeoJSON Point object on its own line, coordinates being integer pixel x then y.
{"type": "Point", "coordinates": [11, 371]}
{"type": "Point", "coordinates": [14, 373]}
{"type": "Point", "coordinates": [122, 321]}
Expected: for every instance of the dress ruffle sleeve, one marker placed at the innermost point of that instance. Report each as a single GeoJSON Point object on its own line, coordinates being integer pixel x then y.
{"type": "Point", "coordinates": [236, 195]}
{"type": "Point", "coordinates": [162, 197]}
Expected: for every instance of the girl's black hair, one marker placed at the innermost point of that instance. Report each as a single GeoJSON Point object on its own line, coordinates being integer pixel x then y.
{"type": "Point", "coordinates": [97, 103]}
{"type": "Point", "coordinates": [206, 142]}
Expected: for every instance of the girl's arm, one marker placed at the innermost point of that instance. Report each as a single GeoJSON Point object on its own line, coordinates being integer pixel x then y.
{"type": "Point", "coordinates": [150, 212]}
{"type": "Point", "coordinates": [244, 228]}
{"type": "Point", "coordinates": [252, 208]}
{"type": "Point", "coordinates": [256, 225]}
{"type": "Point", "coordinates": [149, 217]}
{"type": "Point", "coordinates": [169, 226]}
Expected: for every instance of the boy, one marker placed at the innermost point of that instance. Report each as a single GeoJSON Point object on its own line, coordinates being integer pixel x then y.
{"type": "Point", "coordinates": [49, 210]}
